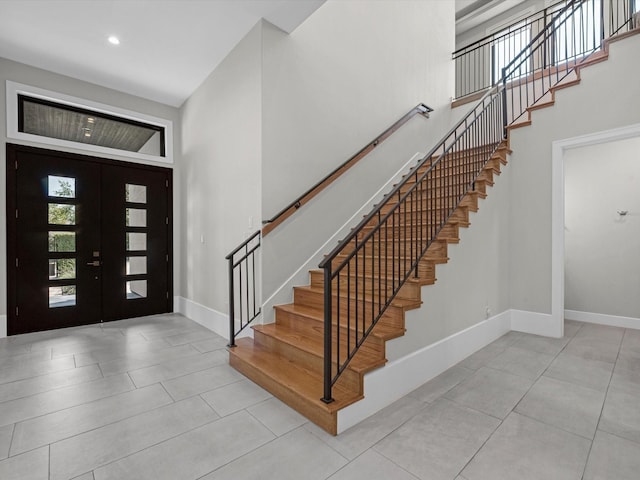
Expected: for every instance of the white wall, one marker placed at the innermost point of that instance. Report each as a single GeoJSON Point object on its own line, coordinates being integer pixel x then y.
{"type": "Point", "coordinates": [221, 155]}
{"type": "Point", "coordinates": [607, 98]}
{"type": "Point", "coordinates": [602, 265]}
{"type": "Point", "coordinates": [347, 73]}
{"type": "Point", "coordinates": [27, 75]}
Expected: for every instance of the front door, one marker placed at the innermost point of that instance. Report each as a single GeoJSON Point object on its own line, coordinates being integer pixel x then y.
{"type": "Point", "coordinates": [88, 242]}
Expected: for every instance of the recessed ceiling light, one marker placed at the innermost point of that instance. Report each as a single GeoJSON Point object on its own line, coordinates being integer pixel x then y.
{"type": "Point", "coordinates": [113, 40]}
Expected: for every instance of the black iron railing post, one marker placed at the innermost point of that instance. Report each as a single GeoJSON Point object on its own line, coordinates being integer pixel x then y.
{"type": "Point", "coordinates": [232, 313]}
{"type": "Point", "coordinates": [328, 337]}
{"type": "Point", "coordinates": [505, 121]}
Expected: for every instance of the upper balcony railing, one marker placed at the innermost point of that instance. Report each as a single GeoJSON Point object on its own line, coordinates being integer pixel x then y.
{"type": "Point", "coordinates": [479, 66]}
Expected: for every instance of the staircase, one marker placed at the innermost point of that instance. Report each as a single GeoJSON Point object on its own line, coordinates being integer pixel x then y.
{"type": "Point", "coordinates": [358, 300]}
{"type": "Point", "coordinates": [286, 357]}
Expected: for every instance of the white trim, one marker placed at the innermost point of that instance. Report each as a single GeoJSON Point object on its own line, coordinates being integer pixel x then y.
{"type": "Point", "coordinates": [602, 319]}
{"type": "Point", "coordinates": [536, 323]}
{"type": "Point", "coordinates": [393, 381]}
{"type": "Point", "coordinates": [557, 207]}
{"type": "Point", "coordinates": [210, 318]}
{"type": "Point", "coordinates": [3, 326]}
{"type": "Point", "coordinates": [13, 89]}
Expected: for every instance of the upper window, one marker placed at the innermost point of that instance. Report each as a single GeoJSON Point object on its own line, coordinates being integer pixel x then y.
{"type": "Point", "coordinates": [46, 117]}
{"type": "Point", "coordinates": [507, 48]}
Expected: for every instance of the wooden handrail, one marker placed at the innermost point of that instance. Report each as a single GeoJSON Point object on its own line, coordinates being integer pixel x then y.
{"type": "Point", "coordinates": [303, 199]}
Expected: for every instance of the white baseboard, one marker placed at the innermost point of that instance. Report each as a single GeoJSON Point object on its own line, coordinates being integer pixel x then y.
{"type": "Point", "coordinates": [207, 317]}
{"type": "Point", "coordinates": [3, 326]}
{"type": "Point", "coordinates": [536, 323]}
{"type": "Point", "coordinates": [390, 383]}
{"type": "Point", "coordinates": [603, 319]}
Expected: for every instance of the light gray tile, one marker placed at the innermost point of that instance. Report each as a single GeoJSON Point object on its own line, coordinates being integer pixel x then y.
{"type": "Point", "coordinates": [482, 356]}
{"type": "Point", "coordinates": [86, 476]}
{"type": "Point", "coordinates": [93, 449]}
{"type": "Point", "coordinates": [371, 465]}
{"type": "Point", "coordinates": [296, 455]}
{"type": "Point", "coordinates": [210, 344]}
{"type": "Point", "coordinates": [176, 368]}
{"type": "Point", "coordinates": [490, 391]}
{"type": "Point", "coordinates": [621, 412]}
{"type": "Point", "coordinates": [588, 373]}
{"type": "Point", "coordinates": [524, 363]}
{"type": "Point", "coordinates": [25, 359]}
{"type": "Point", "coordinates": [7, 350]}
{"type": "Point", "coordinates": [563, 405]}
{"type": "Point", "coordinates": [276, 416]}
{"type": "Point", "coordinates": [435, 388]}
{"type": "Point", "coordinates": [57, 426]}
{"type": "Point", "coordinates": [571, 328]}
{"type": "Point", "coordinates": [118, 351]}
{"type": "Point", "coordinates": [235, 396]}
{"type": "Point", "coordinates": [193, 454]}
{"type": "Point", "coordinates": [438, 442]}
{"type": "Point", "coordinates": [370, 431]}
{"type": "Point", "coordinates": [189, 337]}
{"type": "Point", "coordinates": [34, 369]}
{"type": "Point", "coordinates": [631, 343]}
{"type": "Point", "coordinates": [203, 381]}
{"type": "Point", "coordinates": [626, 373]}
{"type": "Point", "coordinates": [51, 381]}
{"type": "Point", "coordinates": [145, 359]}
{"type": "Point", "coordinates": [33, 465]}
{"type": "Point", "coordinates": [535, 343]}
{"type": "Point", "coordinates": [526, 449]}
{"type": "Point", "coordinates": [596, 342]}
{"type": "Point", "coordinates": [613, 457]}
{"type": "Point", "coordinates": [6, 433]}
{"type": "Point", "coordinates": [54, 400]}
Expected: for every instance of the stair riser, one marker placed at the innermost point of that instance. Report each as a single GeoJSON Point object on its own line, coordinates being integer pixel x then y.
{"type": "Point", "coordinates": [349, 379]}
{"type": "Point", "coordinates": [393, 315]}
{"type": "Point", "coordinates": [441, 182]}
{"type": "Point", "coordinates": [387, 269]}
{"type": "Point", "coordinates": [469, 201]}
{"type": "Point", "coordinates": [409, 291]}
{"type": "Point", "coordinates": [410, 231]}
{"type": "Point", "coordinates": [431, 214]}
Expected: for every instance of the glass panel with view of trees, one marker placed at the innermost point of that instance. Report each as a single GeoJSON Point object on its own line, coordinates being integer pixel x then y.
{"type": "Point", "coordinates": [61, 214]}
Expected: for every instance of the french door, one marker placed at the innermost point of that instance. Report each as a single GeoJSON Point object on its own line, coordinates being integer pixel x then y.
{"type": "Point", "coordinates": [89, 240]}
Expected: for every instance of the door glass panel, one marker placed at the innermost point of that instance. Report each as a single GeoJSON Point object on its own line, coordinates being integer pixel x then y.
{"type": "Point", "coordinates": [62, 296]}
{"type": "Point", "coordinates": [136, 241]}
{"type": "Point", "coordinates": [135, 193]}
{"type": "Point", "coordinates": [136, 289]}
{"type": "Point", "coordinates": [62, 268]}
{"type": "Point", "coordinates": [62, 214]}
{"type": "Point", "coordinates": [136, 217]}
{"type": "Point", "coordinates": [61, 187]}
{"type": "Point", "coordinates": [136, 265]}
{"type": "Point", "coordinates": [62, 241]}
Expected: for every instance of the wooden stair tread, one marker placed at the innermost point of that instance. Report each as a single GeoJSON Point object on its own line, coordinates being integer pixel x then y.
{"type": "Point", "coordinates": [289, 382]}
{"type": "Point", "coordinates": [383, 278]}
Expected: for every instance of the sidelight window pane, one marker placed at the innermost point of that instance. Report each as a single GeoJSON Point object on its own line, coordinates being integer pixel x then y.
{"type": "Point", "coordinates": [62, 241]}
{"type": "Point", "coordinates": [63, 296]}
{"type": "Point", "coordinates": [62, 268]}
{"type": "Point", "coordinates": [136, 217]}
{"type": "Point", "coordinates": [135, 193]}
{"type": "Point", "coordinates": [136, 241]}
{"type": "Point", "coordinates": [136, 265]}
{"type": "Point", "coordinates": [62, 214]}
{"type": "Point", "coordinates": [136, 289]}
{"type": "Point", "coordinates": [61, 187]}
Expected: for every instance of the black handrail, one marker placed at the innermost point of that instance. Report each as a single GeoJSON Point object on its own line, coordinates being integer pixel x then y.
{"type": "Point", "coordinates": [409, 219]}
{"type": "Point", "coordinates": [421, 108]}
{"type": "Point", "coordinates": [245, 297]}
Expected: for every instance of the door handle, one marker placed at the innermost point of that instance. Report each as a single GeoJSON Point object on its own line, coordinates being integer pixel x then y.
{"type": "Point", "coordinates": [95, 263]}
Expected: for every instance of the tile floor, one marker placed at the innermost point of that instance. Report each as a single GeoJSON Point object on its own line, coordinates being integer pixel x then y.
{"type": "Point", "coordinates": [154, 398]}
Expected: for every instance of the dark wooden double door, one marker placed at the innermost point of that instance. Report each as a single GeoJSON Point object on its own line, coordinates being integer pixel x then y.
{"type": "Point", "coordinates": [89, 240]}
